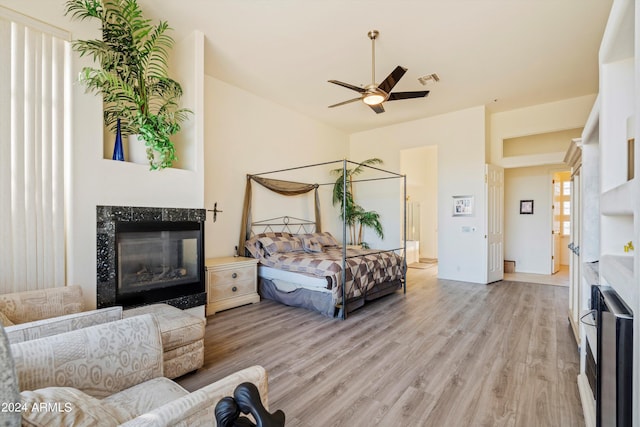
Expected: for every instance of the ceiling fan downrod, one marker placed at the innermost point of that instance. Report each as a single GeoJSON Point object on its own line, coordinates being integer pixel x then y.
{"type": "Point", "coordinates": [373, 35]}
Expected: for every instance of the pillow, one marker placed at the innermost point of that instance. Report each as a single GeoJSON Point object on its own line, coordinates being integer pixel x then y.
{"type": "Point", "coordinates": [311, 245]}
{"type": "Point", "coordinates": [64, 406]}
{"type": "Point", "coordinates": [325, 238]}
{"type": "Point", "coordinates": [4, 320]}
{"type": "Point", "coordinates": [274, 245]}
{"type": "Point", "coordinates": [255, 248]}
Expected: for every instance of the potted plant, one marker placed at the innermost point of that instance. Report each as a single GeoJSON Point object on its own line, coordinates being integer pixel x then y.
{"type": "Point", "coordinates": [133, 75]}
{"type": "Point", "coordinates": [356, 217]}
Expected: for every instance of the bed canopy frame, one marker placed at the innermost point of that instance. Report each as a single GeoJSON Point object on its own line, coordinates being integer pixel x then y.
{"type": "Point", "coordinates": [293, 188]}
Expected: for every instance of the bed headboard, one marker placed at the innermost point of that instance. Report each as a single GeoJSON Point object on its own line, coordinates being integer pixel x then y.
{"type": "Point", "coordinates": [283, 224]}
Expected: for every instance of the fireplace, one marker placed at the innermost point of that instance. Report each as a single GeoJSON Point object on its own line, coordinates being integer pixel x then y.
{"type": "Point", "coordinates": [150, 255]}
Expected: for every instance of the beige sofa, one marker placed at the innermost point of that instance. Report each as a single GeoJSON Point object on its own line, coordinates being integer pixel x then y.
{"type": "Point", "coordinates": [110, 374]}
{"type": "Point", "coordinates": [35, 314]}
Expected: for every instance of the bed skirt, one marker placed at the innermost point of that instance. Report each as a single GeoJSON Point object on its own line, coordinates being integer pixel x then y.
{"type": "Point", "coordinates": [322, 302]}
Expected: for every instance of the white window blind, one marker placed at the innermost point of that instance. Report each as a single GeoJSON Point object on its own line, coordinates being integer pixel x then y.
{"type": "Point", "coordinates": [34, 93]}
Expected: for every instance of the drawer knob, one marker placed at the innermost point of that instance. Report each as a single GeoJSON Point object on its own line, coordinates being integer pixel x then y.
{"type": "Point", "coordinates": [234, 275]}
{"type": "Point", "coordinates": [234, 289]}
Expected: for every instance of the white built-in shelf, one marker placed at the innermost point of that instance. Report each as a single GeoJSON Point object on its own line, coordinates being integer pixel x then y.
{"type": "Point", "coordinates": [618, 200]}
{"type": "Point", "coordinates": [617, 271]}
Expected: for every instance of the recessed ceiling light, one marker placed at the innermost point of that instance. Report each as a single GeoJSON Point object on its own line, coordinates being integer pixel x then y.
{"type": "Point", "coordinates": [433, 77]}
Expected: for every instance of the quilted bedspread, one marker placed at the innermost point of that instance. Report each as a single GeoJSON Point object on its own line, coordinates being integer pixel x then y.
{"type": "Point", "coordinates": [365, 267]}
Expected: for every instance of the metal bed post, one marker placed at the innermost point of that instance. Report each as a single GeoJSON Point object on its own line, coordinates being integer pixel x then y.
{"type": "Point", "coordinates": [344, 238]}
{"type": "Point", "coordinates": [404, 213]}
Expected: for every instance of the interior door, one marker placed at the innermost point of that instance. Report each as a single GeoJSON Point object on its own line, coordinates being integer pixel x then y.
{"type": "Point", "coordinates": [494, 191]}
{"type": "Point", "coordinates": [575, 276]}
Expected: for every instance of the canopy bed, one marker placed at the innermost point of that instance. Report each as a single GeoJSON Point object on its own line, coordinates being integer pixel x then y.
{"type": "Point", "coordinates": [302, 266]}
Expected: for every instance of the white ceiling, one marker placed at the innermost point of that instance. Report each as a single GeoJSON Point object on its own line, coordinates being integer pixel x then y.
{"type": "Point", "coordinates": [504, 54]}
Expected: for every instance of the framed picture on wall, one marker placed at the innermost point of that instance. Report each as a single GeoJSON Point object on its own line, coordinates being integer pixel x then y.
{"type": "Point", "coordinates": [526, 207]}
{"type": "Point", "coordinates": [462, 205]}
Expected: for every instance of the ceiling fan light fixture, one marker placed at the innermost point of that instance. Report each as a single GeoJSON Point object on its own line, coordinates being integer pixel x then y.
{"type": "Point", "coordinates": [373, 99]}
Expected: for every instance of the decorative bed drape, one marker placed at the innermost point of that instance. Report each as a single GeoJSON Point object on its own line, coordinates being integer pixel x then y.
{"type": "Point", "coordinates": [285, 188]}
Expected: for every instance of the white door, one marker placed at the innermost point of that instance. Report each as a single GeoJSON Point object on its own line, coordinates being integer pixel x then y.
{"type": "Point", "coordinates": [575, 277]}
{"type": "Point", "coordinates": [494, 192]}
{"type": "Point", "coordinates": [556, 207]}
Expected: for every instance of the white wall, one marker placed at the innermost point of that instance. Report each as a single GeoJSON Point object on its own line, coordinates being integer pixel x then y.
{"type": "Point", "coordinates": [528, 237]}
{"type": "Point", "coordinates": [420, 165]}
{"type": "Point", "coordinates": [460, 138]}
{"type": "Point", "coordinates": [246, 134]}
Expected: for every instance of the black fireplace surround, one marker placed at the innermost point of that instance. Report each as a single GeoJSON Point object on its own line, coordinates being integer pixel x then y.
{"type": "Point", "coordinates": [150, 255]}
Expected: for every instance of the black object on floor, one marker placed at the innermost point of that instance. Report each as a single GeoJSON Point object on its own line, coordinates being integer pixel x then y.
{"type": "Point", "coordinates": [246, 400]}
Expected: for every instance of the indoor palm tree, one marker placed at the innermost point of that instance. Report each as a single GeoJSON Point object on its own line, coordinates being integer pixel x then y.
{"type": "Point", "coordinates": [353, 214]}
{"type": "Point", "coordinates": [133, 75]}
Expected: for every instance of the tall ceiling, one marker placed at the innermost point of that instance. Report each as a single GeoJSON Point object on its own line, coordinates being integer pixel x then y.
{"type": "Point", "coordinates": [503, 54]}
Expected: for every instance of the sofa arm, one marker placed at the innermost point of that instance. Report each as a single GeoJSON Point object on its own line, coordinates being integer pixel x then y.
{"type": "Point", "coordinates": [99, 360]}
{"type": "Point", "coordinates": [57, 325]}
{"type": "Point", "coordinates": [198, 408]}
{"type": "Point", "coordinates": [27, 306]}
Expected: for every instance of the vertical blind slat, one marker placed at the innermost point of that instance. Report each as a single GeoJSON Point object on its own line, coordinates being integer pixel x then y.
{"type": "Point", "coordinates": [6, 254]}
{"type": "Point", "coordinates": [33, 75]}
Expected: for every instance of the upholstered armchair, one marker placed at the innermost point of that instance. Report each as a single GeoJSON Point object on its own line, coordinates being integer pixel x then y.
{"type": "Point", "coordinates": [40, 313]}
{"type": "Point", "coordinates": [109, 374]}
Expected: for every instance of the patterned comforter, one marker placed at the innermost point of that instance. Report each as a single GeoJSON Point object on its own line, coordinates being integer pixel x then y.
{"type": "Point", "coordinates": [365, 267]}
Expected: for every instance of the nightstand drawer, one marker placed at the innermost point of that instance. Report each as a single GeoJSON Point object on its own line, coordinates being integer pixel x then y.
{"type": "Point", "coordinates": [231, 289]}
{"type": "Point", "coordinates": [231, 275]}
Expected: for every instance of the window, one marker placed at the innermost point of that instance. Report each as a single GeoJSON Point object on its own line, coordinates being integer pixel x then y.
{"type": "Point", "coordinates": [562, 203]}
{"type": "Point", "coordinates": [34, 93]}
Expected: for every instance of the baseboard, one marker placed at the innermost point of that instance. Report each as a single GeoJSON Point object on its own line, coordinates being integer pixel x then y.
{"type": "Point", "coordinates": [588, 403]}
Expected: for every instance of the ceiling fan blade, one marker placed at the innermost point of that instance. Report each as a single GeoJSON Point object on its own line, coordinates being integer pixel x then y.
{"type": "Point", "coordinates": [378, 108]}
{"type": "Point", "coordinates": [347, 85]}
{"type": "Point", "coordinates": [393, 78]}
{"type": "Point", "coordinates": [407, 95]}
{"type": "Point", "coordinates": [345, 102]}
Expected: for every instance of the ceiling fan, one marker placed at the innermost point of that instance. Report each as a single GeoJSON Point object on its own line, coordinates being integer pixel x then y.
{"type": "Point", "coordinates": [374, 95]}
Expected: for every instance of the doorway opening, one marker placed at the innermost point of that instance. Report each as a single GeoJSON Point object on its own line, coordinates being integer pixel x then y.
{"type": "Point", "coordinates": [561, 221]}
{"type": "Point", "coordinates": [420, 165]}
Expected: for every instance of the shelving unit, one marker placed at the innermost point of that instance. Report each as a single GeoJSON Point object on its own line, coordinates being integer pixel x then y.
{"type": "Point", "coordinates": [611, 201]}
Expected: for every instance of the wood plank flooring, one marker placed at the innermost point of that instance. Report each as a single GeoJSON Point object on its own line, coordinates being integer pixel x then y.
{"type": "Point", "coordinates": [445, 354]}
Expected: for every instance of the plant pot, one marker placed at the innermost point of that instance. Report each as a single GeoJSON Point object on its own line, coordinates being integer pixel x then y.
{"type": "Point", "coordinates": [137, 150]}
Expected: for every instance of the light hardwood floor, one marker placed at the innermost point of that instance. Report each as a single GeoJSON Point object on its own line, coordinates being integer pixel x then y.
{"type": "Point", "coordinates": [445, 354]}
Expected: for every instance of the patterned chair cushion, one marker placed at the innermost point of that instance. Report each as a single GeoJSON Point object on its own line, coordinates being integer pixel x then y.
{"type": "Point", "coordinates": [143, 398]}
{"type": "Point", "coordinates": [57, 325]}
{"type": "Point", "coordinates": [8, 383]}
{"type": "Point", "coordinates": [65, 406]}
{"type": "Point", "coordinates": [99, 360]}
{"type": "Point", "coordinates": [4, 320]}
{"type": "Point", "coordinates": [27, 306]}
{"type": "Point", "coordinates": [177, 327]}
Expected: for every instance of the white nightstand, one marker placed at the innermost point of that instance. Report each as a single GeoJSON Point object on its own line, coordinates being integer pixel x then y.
{"type": "Point", "coordinates": [231, 282]}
